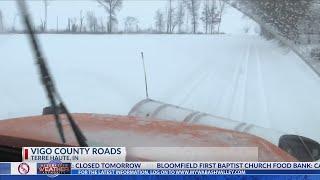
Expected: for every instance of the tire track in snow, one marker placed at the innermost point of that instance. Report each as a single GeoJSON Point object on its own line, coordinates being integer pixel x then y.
{"type": "Point", "coordinates": [245, 84]}
{"type": "Point", "coordinates": [204, 75]}
{"type": "Point", "coordinates": [213, 91]}
{"type": "Point", "coordinates": [174, 92]}
{"type": "Point", "coordinates": [264, 103]}
{"type": "Point", "coordinates": [225, 102]}
{"type": "Point", "coordinates": [253, 98]}
{"type": "Point", "coordinates": [235, 86]}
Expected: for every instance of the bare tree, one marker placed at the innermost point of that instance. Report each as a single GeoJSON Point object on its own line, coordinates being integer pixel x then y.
{"type": "Point", "coordinates": [206, 15]}
{"type": "Point", "coordinates": [174, 23]}
{"type": "Point", "coordinates": [57, 24]}
{"type": "Point", "coordinates": [81, 21]}
{"type": "Point", "coordinates": [214, 17]}
{"type": "Point", "coordinates": [14, 22]}
{"type": "Point", "coordinates": [74, 26]}
{"type": "Point", "coordinates": [187, 23]}
{"type": "Point", "coordinates": [92, 21]}
{"type": "Point", "coordinates": [193, 7]}
{"type": "Point", "coordinates": [159, 21]}
{"type": "Point", "coordinates": [42, 26]}
{"type": "Point", "coordinates": [170, 17]}
{"type": "Point", "coordinates": [69, 25]}
{"type": "Point", "coordinates": [179, 17]}
{"type": "Point", "coordinates": [1, 22]}
{"type": "Point", "coordinates": [131, 24]}
{"type": "Point", "coordinates": [102, 27]}
{"type": "Point", "coordinates": [111, 7]}
{"type": "Point", "coordinates": [222, 7]}
{"type": "Point", "coordinates": [44, 23]}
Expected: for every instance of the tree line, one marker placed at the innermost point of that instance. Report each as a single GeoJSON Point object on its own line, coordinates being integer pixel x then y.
{"type": "Point", "coordinates": [186, 15]}
{"type": "Point", "coordinates": [178, 16]}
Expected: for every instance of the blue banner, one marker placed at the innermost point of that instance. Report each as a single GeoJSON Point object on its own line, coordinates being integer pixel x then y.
{"type": "Point", "coordinates": [191, 172]}
{"type": "Point", "coordinates": [281, 172]}
{"type": "Point", "coordinates": [218, 177]}
{"type": "Point", "coordinates": [5, 168]}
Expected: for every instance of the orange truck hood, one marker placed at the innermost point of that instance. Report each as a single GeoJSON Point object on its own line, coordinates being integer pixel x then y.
{"type": "Point", "coordinates": [130, 132]}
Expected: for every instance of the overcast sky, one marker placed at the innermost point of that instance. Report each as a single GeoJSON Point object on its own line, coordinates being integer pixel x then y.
{"type": "Point", "coordinates": [144, 10]}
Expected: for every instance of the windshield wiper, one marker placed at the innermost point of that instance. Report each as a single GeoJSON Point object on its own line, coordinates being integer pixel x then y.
{"type": "Point", "coordinates": [47, 81]}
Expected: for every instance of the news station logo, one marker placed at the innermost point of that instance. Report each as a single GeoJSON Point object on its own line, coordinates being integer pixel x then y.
{"type": "Point", "coordinates": [54, 168]}
{"type": "Point", "coordinates": [23, 168]}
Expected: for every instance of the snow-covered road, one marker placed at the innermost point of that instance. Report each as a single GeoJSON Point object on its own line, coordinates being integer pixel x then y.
{"type": "Point", "coordinates": [243, 78]}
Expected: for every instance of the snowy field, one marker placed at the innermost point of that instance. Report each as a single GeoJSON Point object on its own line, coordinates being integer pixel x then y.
{"type": "Point", "coordinates": [243, 78]}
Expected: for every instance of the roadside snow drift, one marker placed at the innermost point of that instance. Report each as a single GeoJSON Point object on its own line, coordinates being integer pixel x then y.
{"type": "Point", "coordinates": [243, 78]}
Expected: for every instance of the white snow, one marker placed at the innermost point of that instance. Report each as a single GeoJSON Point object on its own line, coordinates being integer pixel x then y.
{"type": "Point", "coordinates": [243, 78]}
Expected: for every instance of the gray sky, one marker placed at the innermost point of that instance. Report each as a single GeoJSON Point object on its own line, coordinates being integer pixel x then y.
{"type": "Point", "coordinates": [144, 10]}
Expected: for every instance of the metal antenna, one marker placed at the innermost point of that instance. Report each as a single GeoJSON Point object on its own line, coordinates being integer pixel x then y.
{"type": "Point", "coordinates": [145, 76]}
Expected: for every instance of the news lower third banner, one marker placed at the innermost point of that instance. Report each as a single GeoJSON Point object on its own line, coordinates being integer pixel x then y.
{"type": "Point", "coordinates": [121, 154]}
{"type": "Point", "coordinates": [160, 168]}
{"type": "Point", "coordinates": [54, 161]}
{"type": "Point", "coordinates": [73, 154]}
